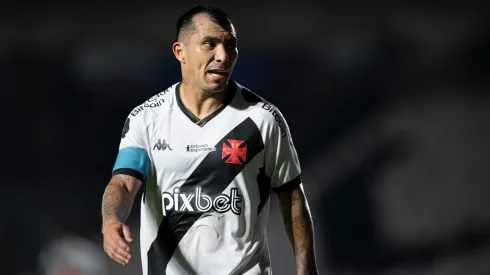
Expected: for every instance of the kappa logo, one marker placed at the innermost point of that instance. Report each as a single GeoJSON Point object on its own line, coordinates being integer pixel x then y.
{"type": "Point", "coordinates": [234, 151]}
{"type": "Point", "coordinates": [162, 144]}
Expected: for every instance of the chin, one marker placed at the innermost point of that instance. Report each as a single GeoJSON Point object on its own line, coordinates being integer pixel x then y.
{"type": "Point", "coordinates": [216, 87]}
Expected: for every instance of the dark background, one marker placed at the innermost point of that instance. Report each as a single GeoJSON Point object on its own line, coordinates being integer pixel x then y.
{"type": "Point", "coordinates": [388, 107]}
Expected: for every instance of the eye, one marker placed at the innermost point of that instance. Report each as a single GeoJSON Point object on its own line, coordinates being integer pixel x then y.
{"type": "Point", "coordinates": [209, 44]}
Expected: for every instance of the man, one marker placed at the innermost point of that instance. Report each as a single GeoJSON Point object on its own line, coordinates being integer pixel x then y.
{"type": "Point", "coordinates": [208, 151]}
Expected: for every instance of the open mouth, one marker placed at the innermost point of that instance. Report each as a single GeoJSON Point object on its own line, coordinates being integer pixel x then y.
{"type": "Point", "coordinates": [218, 73]}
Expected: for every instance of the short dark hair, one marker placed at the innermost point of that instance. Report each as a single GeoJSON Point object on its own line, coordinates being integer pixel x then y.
{"type": "Point", "coordinates": [185, 24]}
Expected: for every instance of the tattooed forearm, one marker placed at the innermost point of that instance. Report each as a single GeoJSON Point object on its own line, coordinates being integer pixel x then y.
{"type": "Point", "coordinates": [303, 244]}
{"type": "Point", "coordinates": [286, 217]}
{"type": "Point", "coordinates": [299, 227]}
{"type": "Point", "coordinates": [117, 201]}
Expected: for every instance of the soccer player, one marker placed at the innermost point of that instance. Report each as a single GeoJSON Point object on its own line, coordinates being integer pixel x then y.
{"type": "Point", "coordinates": [208, 152]}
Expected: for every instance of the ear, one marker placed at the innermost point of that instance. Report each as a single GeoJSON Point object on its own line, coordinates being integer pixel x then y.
{"type": "Point", "coordinates": [179, 52]}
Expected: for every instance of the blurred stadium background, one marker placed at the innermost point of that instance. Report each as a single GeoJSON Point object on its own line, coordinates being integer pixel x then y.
{"type": "Point", "coordinates": [388, 106]}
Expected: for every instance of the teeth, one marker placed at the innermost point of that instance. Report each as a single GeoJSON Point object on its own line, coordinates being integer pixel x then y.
{"type": "Point", "coordinates": [217, 73]}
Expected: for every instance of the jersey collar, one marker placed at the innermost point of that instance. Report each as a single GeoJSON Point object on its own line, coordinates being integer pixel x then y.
{"type": "Point", "coordinates": [201, 122]}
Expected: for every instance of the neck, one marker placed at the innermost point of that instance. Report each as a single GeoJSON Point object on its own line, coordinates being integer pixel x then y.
{"type": "Point", "coordinates": [201, 103]}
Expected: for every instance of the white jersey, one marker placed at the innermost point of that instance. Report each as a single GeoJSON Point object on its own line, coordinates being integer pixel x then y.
{"type": "Point", "coordinates": [207, 182]}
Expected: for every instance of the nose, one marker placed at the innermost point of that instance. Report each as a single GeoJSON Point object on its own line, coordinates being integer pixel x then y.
{"type": "Point", "coordinates": [221, 54]}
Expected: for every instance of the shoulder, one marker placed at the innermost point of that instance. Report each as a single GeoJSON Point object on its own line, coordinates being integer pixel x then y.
{"type": "Point", "coordinates": [155, 105]}
{"type": "Point", "coordinates": [252, 102]}
{"type": "Point", "coordinates": [263, 110]}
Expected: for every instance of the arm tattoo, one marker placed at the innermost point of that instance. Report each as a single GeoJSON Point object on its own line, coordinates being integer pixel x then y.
{"type": "Point", "coordinates": [299, 227]}
{"type": "Point", "coordinates": [117, 200]}
{"type": "Point", "coordinates": [286, 217]}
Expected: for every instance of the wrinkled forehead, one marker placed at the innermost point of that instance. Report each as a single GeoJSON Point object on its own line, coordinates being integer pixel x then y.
{"type": "Point", "coordinates": [205, 27]}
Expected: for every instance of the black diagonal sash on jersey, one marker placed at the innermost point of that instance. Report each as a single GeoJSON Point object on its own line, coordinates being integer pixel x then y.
{"type": "Point", "coordinates": [214, 176]}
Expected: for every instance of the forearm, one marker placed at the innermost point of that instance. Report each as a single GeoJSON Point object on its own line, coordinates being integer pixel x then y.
{"type": "Point", "coordinates": [117, 200]}
{"type": "Point", "coordinates": [302, 231]}
{"type": "Point", "coordinates": [299, 227]}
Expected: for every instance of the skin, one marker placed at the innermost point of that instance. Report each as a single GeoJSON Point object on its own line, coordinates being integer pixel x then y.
{"type": "Point", "coordinates": [299, 228]}
{"type": "Point", "coordinates": [116, 205]}
{"type": "Point", "coordinates": [206, 47]}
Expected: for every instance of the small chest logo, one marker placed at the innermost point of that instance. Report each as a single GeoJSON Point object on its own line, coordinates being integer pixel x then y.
{"type": "Point", "coordinates": [234, 151]}
{"type": "Point", "coordinates": [195, 148]}
{"type": "Point", "coordinates": [161, 144]}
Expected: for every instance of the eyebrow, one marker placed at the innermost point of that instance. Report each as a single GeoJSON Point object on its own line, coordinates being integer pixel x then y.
{"type": "Point", "coordinates": [215, 38]}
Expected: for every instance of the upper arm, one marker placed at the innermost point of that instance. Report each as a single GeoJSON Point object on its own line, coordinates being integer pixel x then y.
{"type": "Point", "coordinates": [291, 196]}
{"type": "Point", "coordinates": [281, 159]}
{"type": "Point", "coordinates": [132, 164]}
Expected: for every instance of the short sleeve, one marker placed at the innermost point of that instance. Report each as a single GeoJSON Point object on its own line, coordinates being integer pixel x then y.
{"type": "Point", "coordinates": [132, 135]}
{"type": "Point", "coordinates": [132, 158]}
{"type": "Point", "coordinates": [281, 160]}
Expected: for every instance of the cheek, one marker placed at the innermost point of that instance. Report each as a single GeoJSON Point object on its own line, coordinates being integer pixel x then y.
{"type": "Point", "coordinates": [195, 65]}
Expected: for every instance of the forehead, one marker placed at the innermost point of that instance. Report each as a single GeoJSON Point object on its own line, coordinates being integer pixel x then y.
{"type": "Point", "coordinates": [205, 27]}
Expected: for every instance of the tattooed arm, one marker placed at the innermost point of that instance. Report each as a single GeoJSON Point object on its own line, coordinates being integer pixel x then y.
{"type": "Point", "coordinates": [299, 228]}
{"type": "Point", "coordinates": [116, 205]}
{"type": "Point", "coordinates": [119, 197]}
